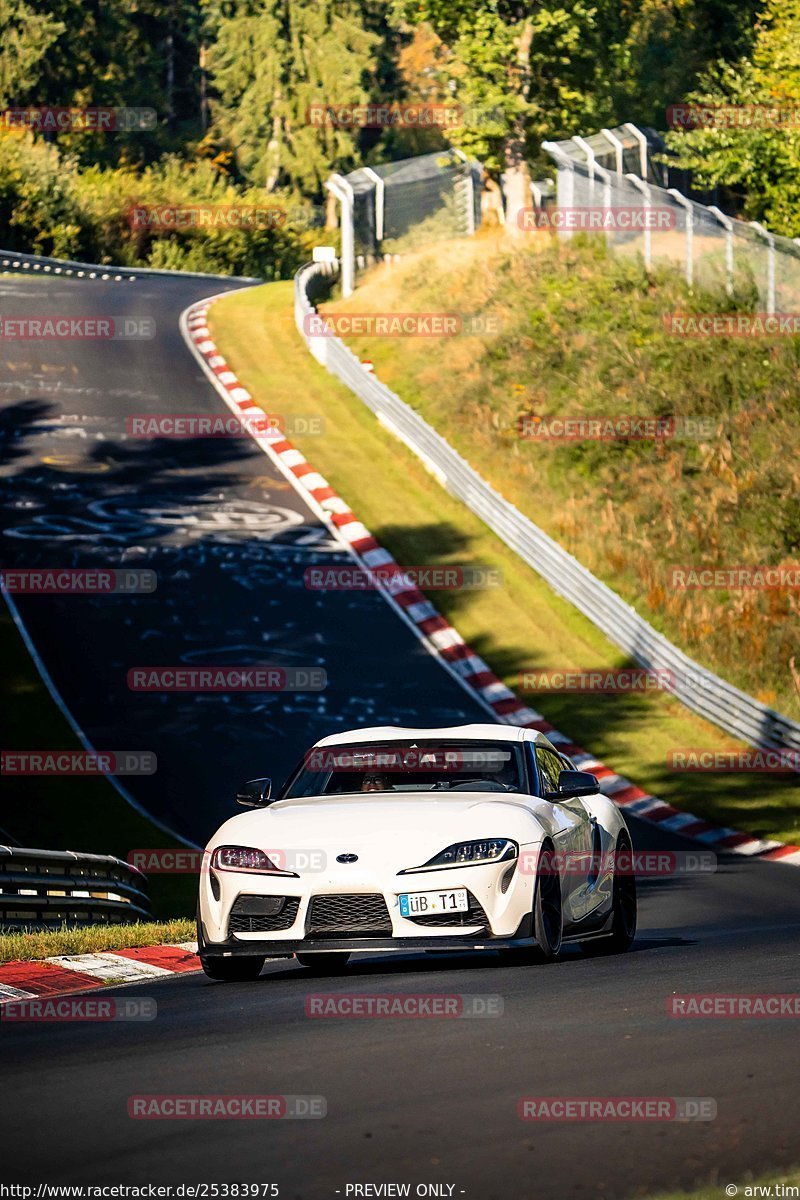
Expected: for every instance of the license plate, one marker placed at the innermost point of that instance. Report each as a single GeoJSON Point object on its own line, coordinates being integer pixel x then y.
{"type": "Point", "coordinates": [423, 904]}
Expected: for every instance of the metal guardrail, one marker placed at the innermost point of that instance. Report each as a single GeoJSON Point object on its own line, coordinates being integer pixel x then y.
{"type": "Point", "coordinates": [48, 888]}
{"type": "Point", "coordinates": [12, 260]}
{"type": "Point", "coordinates": [695, 686]}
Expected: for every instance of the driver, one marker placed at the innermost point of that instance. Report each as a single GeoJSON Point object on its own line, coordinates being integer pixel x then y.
{"type": "Point", "coordinates": [375, 783]}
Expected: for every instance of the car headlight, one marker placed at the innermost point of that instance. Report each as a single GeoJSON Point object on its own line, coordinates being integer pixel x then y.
{"type": "Point", "coordinates": [469, 854]}
{"type": "Point", "coordinates": [246, 858]}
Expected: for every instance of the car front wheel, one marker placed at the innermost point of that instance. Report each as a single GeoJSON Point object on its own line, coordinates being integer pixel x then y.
{"type": "Point", "coordinates": [548, 917]}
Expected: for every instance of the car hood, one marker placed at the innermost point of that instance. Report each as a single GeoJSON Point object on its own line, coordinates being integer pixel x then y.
{"type": "Point", "coordinates": [398, 826]}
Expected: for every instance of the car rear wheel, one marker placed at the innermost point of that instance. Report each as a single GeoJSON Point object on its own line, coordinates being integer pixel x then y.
{"type": "Point", "coordinates": [232, 970]}
{"type": "Point", "coordinates": [328, 962]}
{"type": "Point", "coordinates": [624, 906]}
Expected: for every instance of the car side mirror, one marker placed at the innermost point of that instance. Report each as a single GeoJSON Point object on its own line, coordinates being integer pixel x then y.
{"type": "Point", "coordinates": [575, 783]}
{"type": "Point", "coordinates": [255, 794]}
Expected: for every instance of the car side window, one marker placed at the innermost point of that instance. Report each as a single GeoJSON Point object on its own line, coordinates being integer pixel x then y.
{"type": "Point", "coordinates": [549, 769]}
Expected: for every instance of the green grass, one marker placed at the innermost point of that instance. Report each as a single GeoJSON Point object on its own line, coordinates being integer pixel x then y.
{"type": "Point", "coordinates": [23, 946]}
{"type": "Point", "coordinates": [518, 626]}
{"type": "Point", "coordinates": [747, 1190]}
{"type": "Point", "coordinates": [84, 814]}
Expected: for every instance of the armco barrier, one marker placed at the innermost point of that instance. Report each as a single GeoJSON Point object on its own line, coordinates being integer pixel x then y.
{"type": "Point", "coordinates": [699, 689]}
{"type": "Point", "coordinates": [11, 260]}
{"type": "Point", "coordinates": [47, 888]}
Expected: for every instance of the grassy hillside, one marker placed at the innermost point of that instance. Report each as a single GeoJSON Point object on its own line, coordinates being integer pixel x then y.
{"type": "Point", "coordinates": [518, 625]}
{"type": "Point", "coordinates": [582, 334]}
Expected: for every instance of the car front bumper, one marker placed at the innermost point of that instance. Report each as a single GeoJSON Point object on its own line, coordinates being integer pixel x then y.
{"type": "Point", "coordinates": [502, 892]}
{"type": "Point", "coordinates": [448, 943]}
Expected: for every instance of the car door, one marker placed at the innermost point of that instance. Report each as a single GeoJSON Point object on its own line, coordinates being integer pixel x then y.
{"type": "Point", "coordinates": [577, 842]}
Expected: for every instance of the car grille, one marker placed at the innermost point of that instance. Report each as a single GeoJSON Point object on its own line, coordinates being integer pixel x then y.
{"type": "Point", "coordinates": [263, 914]}
{"type": "Point", "coordinates": [356, 916]}
{"type": "Point", "coordinates": [473, 916]}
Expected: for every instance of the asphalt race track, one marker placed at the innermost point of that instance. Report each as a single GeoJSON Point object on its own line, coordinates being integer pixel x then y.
{"type": "Point", "coordinates": [226, 534]}
{"type": "Point", "coordinates": [416, 1101]}
{"type": "Point", "coordinates": [434, 1100]}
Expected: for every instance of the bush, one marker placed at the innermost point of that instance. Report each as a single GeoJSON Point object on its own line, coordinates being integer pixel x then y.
{"type": "Point", "coordinates": [49, 205]}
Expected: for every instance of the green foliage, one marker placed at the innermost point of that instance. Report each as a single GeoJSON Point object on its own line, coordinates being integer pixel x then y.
{"type": "Point", "coordinates": [25, 38]}
{"type": "Point", "coordinates": [50, 206]}
{"type": "Point", "coordinates": [232, 82]}
{"type": "Point", "coordinates": [764, 159]}
{"type": "Point", "coordinates": [271, 60]}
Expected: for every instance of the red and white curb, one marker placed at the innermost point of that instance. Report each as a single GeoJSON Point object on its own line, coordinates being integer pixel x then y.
{"type": "Point", "coordinates": [438, 635]}
{"type": "Point", "coordinates": [66, 973]}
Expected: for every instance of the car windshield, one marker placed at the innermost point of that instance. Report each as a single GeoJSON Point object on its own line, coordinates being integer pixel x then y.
{"type": "Point", "coordinates": [412, 766]}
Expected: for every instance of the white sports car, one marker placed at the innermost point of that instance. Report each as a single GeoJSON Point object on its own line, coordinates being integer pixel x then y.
{"type": "Point", "coordinates": [479, 837]}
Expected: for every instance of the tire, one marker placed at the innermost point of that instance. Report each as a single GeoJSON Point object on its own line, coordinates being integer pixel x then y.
{"type": "Point", "coordinates": [624, 908]}
{"type": "Point", "coordinates": [232, 970]}
{"type": "Point", "coordinates": [548, 914]}
{"type": "Point", "coordinates": [548, 917]}
{"type": "Point", "coordinates": [328, 962]}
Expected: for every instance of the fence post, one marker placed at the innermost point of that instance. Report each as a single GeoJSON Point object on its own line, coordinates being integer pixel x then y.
{"type": "Point", "coordinates": [343, 192]}
{"type": "Point", "coordinates": [591, 159]}
{"type": "Point", "coordinates": [616, 146]}
{"type": "Point", "coordinates": [380, 189]}
{"type": "Point", "coordinates": [605, 177]}
{"type": "Point", "coordinates": [644, 188]}
{"type": "Point", "coordinates": [470, 182]}
{"type": "Point", "coordinates": [687, 206]}
{"type": "Point", "coordinates": [727, 225]}
{"type": "Point", "coordinates": [769, 238]}
{"type": "Point", "coordinates": [642, 140]}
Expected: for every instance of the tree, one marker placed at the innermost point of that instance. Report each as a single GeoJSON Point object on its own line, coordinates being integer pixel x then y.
{"type": "Point", "coordinates": [270, 61]}
{"type": "Point", "coordinates": [764, 155]}
{"type": "Point", "coordinates": [520, 72]}
{"type": "Point", "coordinates": [25, 38]}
